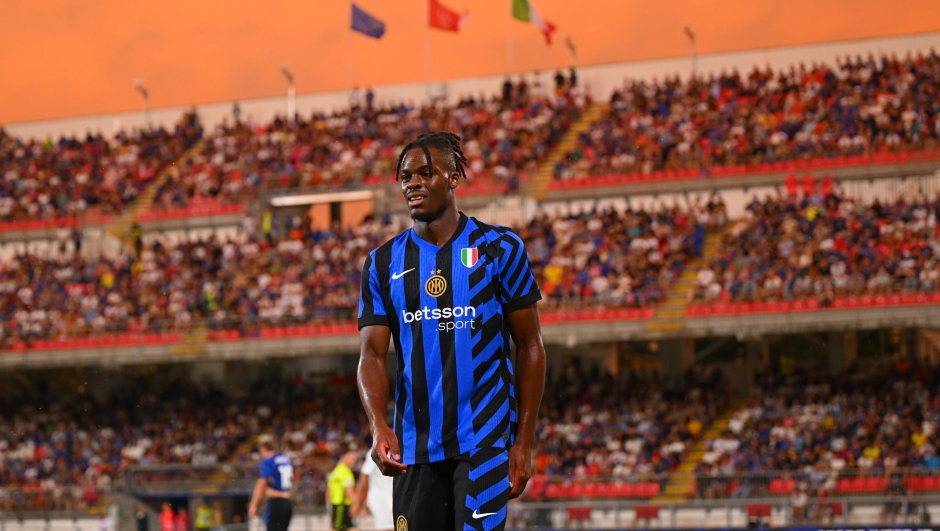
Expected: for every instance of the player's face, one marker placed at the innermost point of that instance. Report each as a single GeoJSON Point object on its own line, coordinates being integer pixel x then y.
{"type": "Point", "coordinates": [428, 187]}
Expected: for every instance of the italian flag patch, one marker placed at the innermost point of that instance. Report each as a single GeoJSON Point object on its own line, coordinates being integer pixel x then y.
{"type": "Point", "coordinates": [469, 256]}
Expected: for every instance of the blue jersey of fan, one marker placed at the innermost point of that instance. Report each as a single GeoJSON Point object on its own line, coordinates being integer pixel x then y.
{"type": "Point", "coordinates": [278, 472]}
{"type": "Point", "coordinates": [446, 308]}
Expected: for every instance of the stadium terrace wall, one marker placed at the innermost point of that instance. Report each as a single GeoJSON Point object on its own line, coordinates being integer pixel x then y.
{"type": "Point", "coordinates": [600, 79]}
{"type": "Point", "coordinates": [570, 332]}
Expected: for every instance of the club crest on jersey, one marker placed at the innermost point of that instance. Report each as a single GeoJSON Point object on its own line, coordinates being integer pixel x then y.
{"type": "Point", "coordinates": [436, 285]}
{"type": "Point", "coordinates": [401, 524]}
{"type": "Point", "coordinates": [469, 256]}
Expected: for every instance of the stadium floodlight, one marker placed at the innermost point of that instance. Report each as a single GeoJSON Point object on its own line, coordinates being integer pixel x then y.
{"type": "Point", "coordinates": [691, 36]}
{"type": "Point", "coordinates": [291, 95]}
{"type": "Point", "coordinates": [139, 85]}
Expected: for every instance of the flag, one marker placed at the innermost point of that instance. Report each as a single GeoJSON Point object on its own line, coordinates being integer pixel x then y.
{"type": "Point", "coordinates": [524, 10]}
{"type": "Point", "coordinates": [469, 256]}
{"type": "Point", "coordinates": [445, 18]}
{"type": "Point", "coordinates": [366, 24]}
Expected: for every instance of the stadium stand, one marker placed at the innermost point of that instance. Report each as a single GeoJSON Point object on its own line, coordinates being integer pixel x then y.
{"type": "Point", "coordinates": [52, 444]}
{"type": "Point", "coordinates": [619, 435]}
{"type": "Point", "coordinates": [861, 111]}
{"type": "Point", "coordinates": [631, 427]}
{"type": "Point", "coordinates": [52, 184]}
{"type": "Point", "coordinates": [857, 434]}
{"type": "Point", "coordinates": [822, 251]}
{"type": "Point", "coordinates": [504, 139]}
{"type": "Point", "coordinates": [285, 282]}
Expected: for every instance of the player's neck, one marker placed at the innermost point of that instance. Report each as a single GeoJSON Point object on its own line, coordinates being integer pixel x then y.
{"type": "Point", "coordinates": [439, 230]}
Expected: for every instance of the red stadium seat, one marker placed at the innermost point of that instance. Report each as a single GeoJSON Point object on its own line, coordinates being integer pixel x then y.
{"type": "Point", "coordinates": [578, 514]}
{"type": "Point", "coordinates": [857, 485]}
{"type": "Point", "coordinates": [649, 490]}
{"type": "Point", "coordinates": [625, 490]}
{"type": "Point", "coordinates": [915, 483]}
{"type": "Point", "coordinates": [605, 490]}
{"type": "Point", "coordinates": [758, 510]}
{"type": "Point", "coordinates": [844, 485]}
{"type": "Point", "coordinates": [554, 491]}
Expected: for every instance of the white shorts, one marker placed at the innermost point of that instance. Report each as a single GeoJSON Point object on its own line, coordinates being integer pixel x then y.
{"type": "Point", "coordinates": [381, 516]}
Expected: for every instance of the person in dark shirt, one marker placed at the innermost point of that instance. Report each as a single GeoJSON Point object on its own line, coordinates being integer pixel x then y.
{"type": "Point", "coordinates": [142, 518]}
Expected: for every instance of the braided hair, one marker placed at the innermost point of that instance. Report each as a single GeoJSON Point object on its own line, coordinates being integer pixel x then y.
{"type": "Point", "coordinates": [440, 140]}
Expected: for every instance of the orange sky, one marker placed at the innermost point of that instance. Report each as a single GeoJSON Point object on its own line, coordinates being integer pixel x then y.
{"type": "Point", "coordinates": [63, 58]}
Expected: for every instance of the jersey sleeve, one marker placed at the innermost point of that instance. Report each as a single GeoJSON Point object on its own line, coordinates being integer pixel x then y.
{"type": "Point", "coordinates": [371, 307]}
{"type": "Point", "coordinates": [517, 282]}
{"type": "Point", "coordinates": [267, 469]}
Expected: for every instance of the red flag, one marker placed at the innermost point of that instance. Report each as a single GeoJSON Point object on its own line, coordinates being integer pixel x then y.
{"type": "Point", "coordinates": [444, 18]}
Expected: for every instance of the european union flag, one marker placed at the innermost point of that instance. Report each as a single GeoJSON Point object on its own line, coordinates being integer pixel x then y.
{"type": "Point", "coordinates": [367, 24]}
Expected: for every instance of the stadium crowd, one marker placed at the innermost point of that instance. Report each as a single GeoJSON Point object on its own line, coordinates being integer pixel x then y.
{"type": "Point", "coordinates": [294, 275]}
{"type": "Point", "coordinates": [860, 106]}
{"type": "Point", "coordinates": [504, 138]}
{"type": "Point", "coordinates": [814, 428]}
{"type": "Point", "coordinates": [68, 448]}
{"type": "Point", "coordinates": [46, 180]}
{"type": "Point", "coordinates": [631, 426]}
{"type": "Point", "coordinates": [824, 247]}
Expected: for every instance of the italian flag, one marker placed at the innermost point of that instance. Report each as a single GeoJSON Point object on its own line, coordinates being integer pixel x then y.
{"type": "Point", "coordinates": [469, 256]}
{"type": "Point", "coordinates": [524, 10]}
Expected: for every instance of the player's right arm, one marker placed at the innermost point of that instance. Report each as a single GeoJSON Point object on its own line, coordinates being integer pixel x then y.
{"type": "Point", "coordinates": [374, 336]}
{"type": "Point", "coordinates": [260, 487]}
{"type": "Point", "coordinates": [373, 390]}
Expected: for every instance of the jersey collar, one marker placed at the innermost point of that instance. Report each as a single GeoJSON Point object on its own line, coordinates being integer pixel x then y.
{"type": "Point", "coordinates": [461, 225]}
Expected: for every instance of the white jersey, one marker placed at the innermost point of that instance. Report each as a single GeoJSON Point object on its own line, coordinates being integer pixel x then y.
{"type": "Point", "coordinates": [379, 497]}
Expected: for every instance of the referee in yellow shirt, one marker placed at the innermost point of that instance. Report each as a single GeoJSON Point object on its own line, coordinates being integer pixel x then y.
{"type": "Point", "coordinates": [341, 487]}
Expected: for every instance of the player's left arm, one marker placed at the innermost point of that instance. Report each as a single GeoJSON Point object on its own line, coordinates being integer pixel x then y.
{"type": "Point", "coordinates": [530, 377]}
{"type": "Point", "coordinates": [260, 487]}
{"type": "Point", "coordinates": [519, 294]}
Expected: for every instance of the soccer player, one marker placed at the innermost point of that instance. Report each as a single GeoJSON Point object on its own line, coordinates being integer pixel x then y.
{"type": "Point", "coordinates": [452, 292]}
{"type": "Point", "coordinates": [341, 486]}
{"type": "Point", "coordinates": [277, 476]}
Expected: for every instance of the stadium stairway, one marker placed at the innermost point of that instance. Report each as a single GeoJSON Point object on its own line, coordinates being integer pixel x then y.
{"type": "Point", "coordinates": [540, 180]}
{"type": "Point", "coordinates": [120, 226]}
{"type": "Point", "coordinates": [682, 481]}
{"type": "Point", "coordinates": [669, 315]}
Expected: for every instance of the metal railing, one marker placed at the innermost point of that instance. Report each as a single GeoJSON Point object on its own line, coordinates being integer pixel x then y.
{"type": "Point", "coordinates": [62, 501]}
{"type": "Point", "coordinates": [844, 482]}
{"type": "Point", "coordinates": [227, 479]}
{"type": "Point", "coordinates": [727, 513]}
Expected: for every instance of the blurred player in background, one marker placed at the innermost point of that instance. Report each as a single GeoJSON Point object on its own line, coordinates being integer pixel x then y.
{"type": "Point", "coordinates": [452, 292]}
{"type": "Point", "coordinates": [341, 487]}
{"type": "Point", "coordinates": [277, 477]}
{"type": "Point", "coordinates": [376, 489]}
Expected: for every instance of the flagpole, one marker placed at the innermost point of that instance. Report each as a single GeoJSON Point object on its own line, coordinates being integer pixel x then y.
{"type": "Point", "coordinates": [349, 59]}
{"type": "Point", "coordinates": [427, 52]}
{"type": "Point", "coordinates": [509, 42]}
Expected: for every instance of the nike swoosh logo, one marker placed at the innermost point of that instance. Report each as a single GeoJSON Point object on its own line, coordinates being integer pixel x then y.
{"type": "Point", "coordinates": [396, 276]}
{"type": "Point", "coordinates": [477, 516]}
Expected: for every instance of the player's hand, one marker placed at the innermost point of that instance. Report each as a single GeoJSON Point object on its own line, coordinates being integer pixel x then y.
{"type": "Point", "coordinates": [520, 469]}
{"type": "Point", "coordinates": [386, 453]}
{"type": "Point", "coordinates": [252, 511]}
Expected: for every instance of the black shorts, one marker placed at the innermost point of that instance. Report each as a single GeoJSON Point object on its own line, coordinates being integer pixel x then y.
{"type": "Point", "coordinates": [341, 518]}
{"type": "Point", "coordinates": [278, 514]}
{"type": "Point", "coordinates": [469, 490]}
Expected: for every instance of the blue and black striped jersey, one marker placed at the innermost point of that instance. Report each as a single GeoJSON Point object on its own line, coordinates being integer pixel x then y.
{"type": "Point", "coordinates": [446, 308]}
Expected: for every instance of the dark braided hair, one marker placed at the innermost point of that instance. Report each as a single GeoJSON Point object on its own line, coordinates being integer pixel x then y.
{"type": "Point", "coordinates": [440, 140]}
